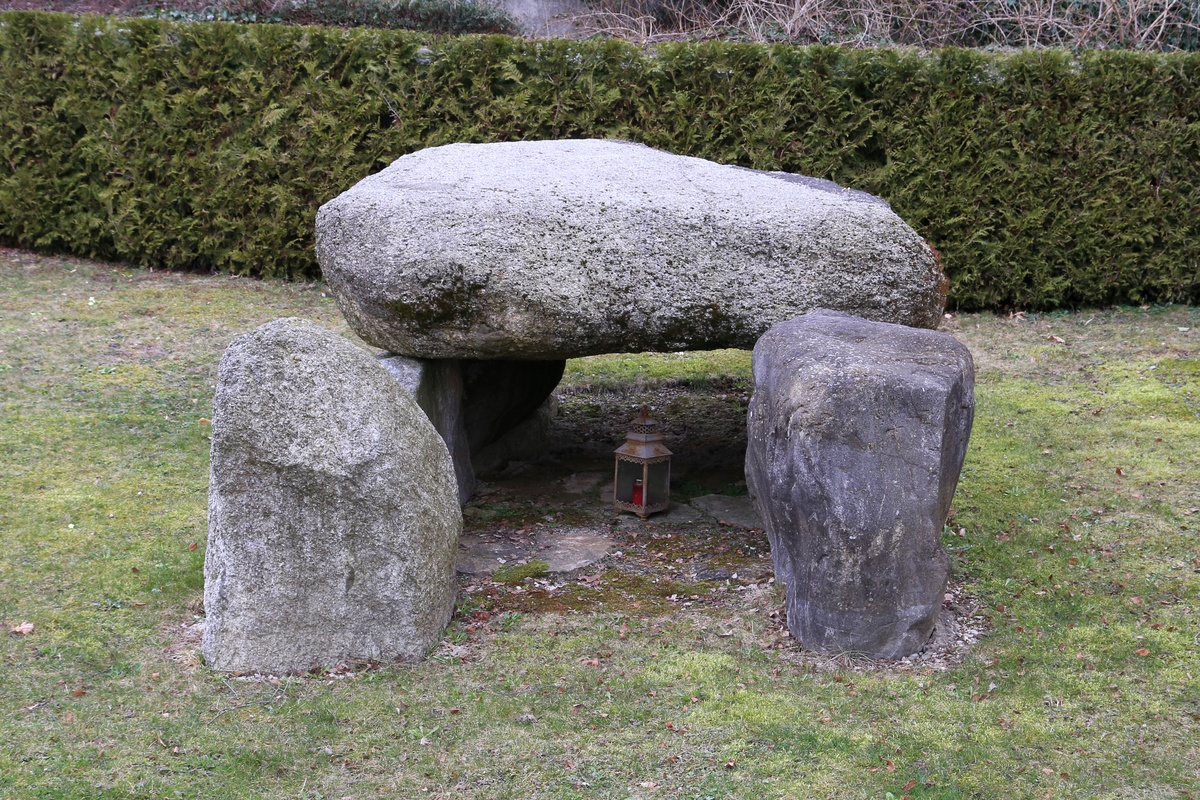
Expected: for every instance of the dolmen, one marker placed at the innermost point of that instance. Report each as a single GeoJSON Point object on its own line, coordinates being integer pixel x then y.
{"type": "Point", "coordinates": [857, 431]}
{"type": "Point", "coordinates": [333, 522]}
{"type": "Point", "coordinates": [509, 258]}
{"type": "Point", "coordinates": [477, 270]}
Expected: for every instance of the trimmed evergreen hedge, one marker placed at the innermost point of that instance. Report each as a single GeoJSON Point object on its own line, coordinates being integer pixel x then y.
{"type": "Point", "coordinates": [1044, 179]}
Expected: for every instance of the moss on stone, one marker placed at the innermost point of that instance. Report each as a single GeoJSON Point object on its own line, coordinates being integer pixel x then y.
{"type": "Point", "coordinates": [519, 572]}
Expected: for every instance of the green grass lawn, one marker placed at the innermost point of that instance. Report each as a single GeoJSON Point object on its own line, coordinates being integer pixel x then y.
{"type": "Point", "coordinates": [1075, 530]}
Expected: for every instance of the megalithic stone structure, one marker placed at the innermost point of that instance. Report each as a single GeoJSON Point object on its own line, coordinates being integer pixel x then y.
{"type": "Point", "coordinates": [333, 518]}
{"type": "Point", "coordinates": [857, 432]}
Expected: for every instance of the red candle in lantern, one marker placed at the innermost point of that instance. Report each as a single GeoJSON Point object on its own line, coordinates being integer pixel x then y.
{"type": "Point", "coordinates": [637, 493]}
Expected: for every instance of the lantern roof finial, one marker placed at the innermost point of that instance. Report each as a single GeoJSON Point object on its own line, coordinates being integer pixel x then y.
{"type": "Point", "coordinates": [644, 440]}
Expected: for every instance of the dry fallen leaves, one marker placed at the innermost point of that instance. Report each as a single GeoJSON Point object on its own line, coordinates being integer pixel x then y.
{"type": "Point", "coordinates": [23, 629]}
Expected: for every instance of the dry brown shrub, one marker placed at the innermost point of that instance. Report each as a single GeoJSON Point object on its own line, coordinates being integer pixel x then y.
{"type": "Point", "coordinates": [1104, 24]}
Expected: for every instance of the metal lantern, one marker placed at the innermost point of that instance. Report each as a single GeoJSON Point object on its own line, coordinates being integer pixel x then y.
{"type": "Point", "coordinates": [642, 478]}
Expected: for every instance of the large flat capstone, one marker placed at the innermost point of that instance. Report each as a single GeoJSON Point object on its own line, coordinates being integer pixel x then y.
{"type": "Point", "coordinates": [559, 249]}
{"type": "Point", "coordinates": [333, 516]}
{"type": "Point", "coordinates": [856, 434]}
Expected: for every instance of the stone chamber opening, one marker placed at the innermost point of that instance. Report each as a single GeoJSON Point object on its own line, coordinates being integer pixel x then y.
{"type": "Point", "coordinates": [545, 509]}
{"type": "Point", "coordinates": [698, 398]}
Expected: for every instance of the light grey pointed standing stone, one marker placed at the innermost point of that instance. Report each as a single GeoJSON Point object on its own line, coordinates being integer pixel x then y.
{"type": "Point", "coordinates": [333, 517]}
{"type": "Point", "coordinates": [857, 433]}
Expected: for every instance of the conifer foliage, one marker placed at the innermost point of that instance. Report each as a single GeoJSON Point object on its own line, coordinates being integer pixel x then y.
{"type": "Point", "coordinates": [1043, 178]}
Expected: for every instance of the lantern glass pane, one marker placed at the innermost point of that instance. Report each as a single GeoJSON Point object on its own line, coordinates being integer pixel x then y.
{"type": "Point", "coordinates": [658, 482]}
{"type": "Point", "coordinates": [627, 473]}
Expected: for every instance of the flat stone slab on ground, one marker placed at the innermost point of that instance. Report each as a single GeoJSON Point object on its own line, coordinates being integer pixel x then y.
{"type": "Point", "coordinates": [729, 510]}
{"type": "Point", "coordinates": [563, 549]}
{"type": "Point", "coordinates": [677, 514]}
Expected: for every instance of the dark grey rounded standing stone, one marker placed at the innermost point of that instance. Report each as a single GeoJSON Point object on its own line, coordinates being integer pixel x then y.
{"type": "Point", "coordinates": [333, 512]}
{"type": "Point", "coordinates": [857, 432]}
